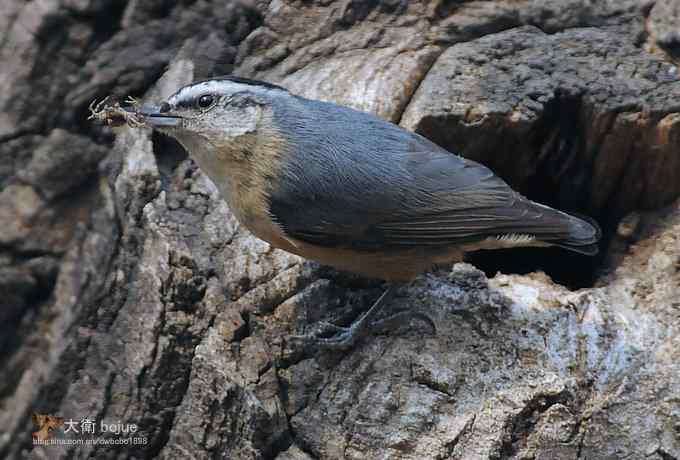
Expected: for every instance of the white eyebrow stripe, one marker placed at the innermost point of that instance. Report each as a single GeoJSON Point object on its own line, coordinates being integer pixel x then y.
{"type": "Point", "coordinates": [217, 86]}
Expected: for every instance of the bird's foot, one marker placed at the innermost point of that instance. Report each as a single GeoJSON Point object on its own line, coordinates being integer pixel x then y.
{"type": "Point", "coordinates": [340, 338]}
{"type": "Point", "coordinates": [331, 337]}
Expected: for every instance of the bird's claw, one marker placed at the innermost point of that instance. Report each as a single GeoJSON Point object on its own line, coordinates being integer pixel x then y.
{"type": "Point", "coordinates": [344, 338]}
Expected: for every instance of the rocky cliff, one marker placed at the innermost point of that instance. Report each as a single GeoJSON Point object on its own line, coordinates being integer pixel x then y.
{"type": "Point", "coordinates": [131, 294]}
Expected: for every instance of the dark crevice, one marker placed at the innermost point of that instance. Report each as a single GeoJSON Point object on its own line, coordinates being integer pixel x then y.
{"type": "Point", "coordinates": [399, 113]}
{"type": "Point", "coordinates": [54, 41]}
{"type": "Point", "coordinates": [20, 133]}
{"type": "Point", "coordinates": [66, 371]}
{"type": "Point", "coordinates": [522, 425]}
{"type": "Point", "coordinates": [175, 364]}
{"type": "Point", "coordinates": [35, 299]}
{"type": "Point", "coordinates": [569, 269]}
{"type": "Point", "coordinates": [105, 22]}
{"type": "Point", "coordinates": [300, 444]}
{"type": "Point", "coordinates": [244, 331]}
{"type": "Point", "coordinates": [667, 46]}
{"type": "Point", "coordinates": [665, 455]}
{"type": "Point", "coordinates": [450, 446]}
{"type": "Point", "coordinates": [169, 154]}
{"type": "Point", "coordinates": [644, 35]}
{"type": "Point", "coordinates": [581, 440]}
{"type": "Point", "coordinates": [278, 445]}
{"type": "Point", "coordinates": [161, 424]}
{"type": "Point", "coordinates": [108, 393]}
{"type": "Point", "coordinates": [561, 177]}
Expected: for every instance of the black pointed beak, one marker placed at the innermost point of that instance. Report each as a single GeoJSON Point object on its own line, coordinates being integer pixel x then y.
{"type": "Point", "coordinates": [159, 116]}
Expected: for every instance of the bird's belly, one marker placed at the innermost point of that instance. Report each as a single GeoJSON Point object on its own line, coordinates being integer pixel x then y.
{"type": "Point", "coordinates": [392, 265]}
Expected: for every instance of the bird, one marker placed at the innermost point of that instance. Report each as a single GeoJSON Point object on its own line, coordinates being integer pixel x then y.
{"type": "Point", "coordinates": [349, 189]}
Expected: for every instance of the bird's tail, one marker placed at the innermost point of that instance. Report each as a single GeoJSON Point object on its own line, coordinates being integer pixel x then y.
{"type": "Point", "coordinates": [584, 234]}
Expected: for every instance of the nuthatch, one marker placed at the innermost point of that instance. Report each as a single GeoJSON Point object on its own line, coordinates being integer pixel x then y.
{"type": "Point", "coordinates": [351, 190]}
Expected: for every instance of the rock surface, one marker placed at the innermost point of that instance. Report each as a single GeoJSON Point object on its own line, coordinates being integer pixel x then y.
{"type": "Point", "coordinates": [132, 295]}
{"type": "Point", "coordinates": [582, 112]}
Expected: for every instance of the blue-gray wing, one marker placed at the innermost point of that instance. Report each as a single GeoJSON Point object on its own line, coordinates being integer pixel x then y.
{"type": "Point", "coordinates": [373, 185]}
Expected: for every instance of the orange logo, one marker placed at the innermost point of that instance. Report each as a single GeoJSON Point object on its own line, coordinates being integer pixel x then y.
{"type": "Point", "coordinates": [46, 425]}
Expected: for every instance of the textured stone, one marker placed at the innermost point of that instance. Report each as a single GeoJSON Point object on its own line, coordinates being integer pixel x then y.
{"type": "Point", "coordinates": [337, 53]}
{"type": "Point", "coordinates": [663, 26]}
{"type": "Point", "coordinates": [583, 113]}
{"type": "Point", "coordinates": [130, 292]}
{"type": "Point", "coordinates": [62, 162]}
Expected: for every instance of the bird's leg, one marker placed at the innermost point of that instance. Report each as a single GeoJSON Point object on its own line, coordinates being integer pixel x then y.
{"type": "Point", "coordinates": [345, 337]}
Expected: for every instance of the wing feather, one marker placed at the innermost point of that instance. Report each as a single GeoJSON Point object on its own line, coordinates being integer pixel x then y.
{"type": "Point", "coordinates": [378, 186]}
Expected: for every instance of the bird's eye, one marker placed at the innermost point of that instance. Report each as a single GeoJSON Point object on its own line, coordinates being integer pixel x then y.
{"type": "Point", "coordinates": [205, 101]}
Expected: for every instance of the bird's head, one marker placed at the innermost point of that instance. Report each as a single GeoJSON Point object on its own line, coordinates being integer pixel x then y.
{"type": "Point", "coordinates": [219, 116]}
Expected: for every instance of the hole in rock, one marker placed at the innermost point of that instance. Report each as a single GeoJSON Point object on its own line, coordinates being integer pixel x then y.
{"type": "Point", "coordinates": [561, 178]}
{"type": "Point", "coordinates": [564, 267]}
{"type": "Point", "coordinates": [169, 154]}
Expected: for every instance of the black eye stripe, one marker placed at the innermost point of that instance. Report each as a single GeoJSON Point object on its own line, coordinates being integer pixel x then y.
{"type": "Point", "coordinates": [238, 99]}
{"type": "Point", "coordinates": [194, 102]}
{"type": "Point", "coordinates": [184, 104]}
